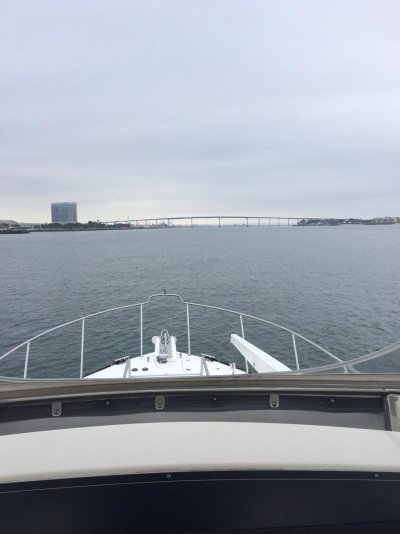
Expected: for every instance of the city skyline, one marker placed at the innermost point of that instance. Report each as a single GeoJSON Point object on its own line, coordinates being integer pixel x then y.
{"type": "Point", "coordinates": [164, 109]}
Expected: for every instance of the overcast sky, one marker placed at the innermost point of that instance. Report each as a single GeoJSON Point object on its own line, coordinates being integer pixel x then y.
{"type": "Point", "coordinates": [161, 108]}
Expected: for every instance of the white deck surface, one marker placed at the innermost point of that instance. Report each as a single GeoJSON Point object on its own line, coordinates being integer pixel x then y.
{"type": "Point", "coordinates": [148, 365]}
{"type": "Point", "coordinates": [194, 446]}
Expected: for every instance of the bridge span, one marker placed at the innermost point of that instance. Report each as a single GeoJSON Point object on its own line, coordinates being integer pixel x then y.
{"type": "Point", "coordinates": [218, 220]}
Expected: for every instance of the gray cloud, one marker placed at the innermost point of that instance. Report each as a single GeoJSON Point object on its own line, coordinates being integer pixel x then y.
{"type": "Point", "coordinates": [148, 108]}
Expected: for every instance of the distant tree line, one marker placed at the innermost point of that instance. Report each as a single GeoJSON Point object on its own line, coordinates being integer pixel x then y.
{"type": "Point", "coordinates": [336, 222]}
{"type": "Point", "coordinates": [91, 225]}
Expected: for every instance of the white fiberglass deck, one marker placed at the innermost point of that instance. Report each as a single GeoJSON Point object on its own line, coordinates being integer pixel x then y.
{"type": "Point", "coordinates": [148, 365]}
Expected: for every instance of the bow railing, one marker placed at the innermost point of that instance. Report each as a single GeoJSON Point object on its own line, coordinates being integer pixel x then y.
{"type": "Point", "coordinates": [243, 319]}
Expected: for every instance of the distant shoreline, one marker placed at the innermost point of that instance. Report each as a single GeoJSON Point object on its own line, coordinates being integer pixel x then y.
{"type": "Point", "coordinates": [12, 227]}
{"type": "Point", "coordinates": [61, 230]}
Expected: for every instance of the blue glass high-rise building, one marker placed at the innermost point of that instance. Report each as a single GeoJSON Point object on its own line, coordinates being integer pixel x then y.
{"type": "Point", "coordinates": [63, 212]}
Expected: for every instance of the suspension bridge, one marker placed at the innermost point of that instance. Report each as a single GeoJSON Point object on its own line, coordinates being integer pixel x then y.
{"type": "Point", "coordinates": [217, 220]}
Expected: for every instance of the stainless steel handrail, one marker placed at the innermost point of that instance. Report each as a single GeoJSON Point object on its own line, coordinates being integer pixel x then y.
{"type": "Point", "coordinates": [354, 361]}
{"type": "Point", "coordinates": [187, 304]}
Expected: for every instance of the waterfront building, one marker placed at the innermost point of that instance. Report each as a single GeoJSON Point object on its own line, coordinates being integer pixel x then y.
{"type": "Point", "coordinates": [63, 212]}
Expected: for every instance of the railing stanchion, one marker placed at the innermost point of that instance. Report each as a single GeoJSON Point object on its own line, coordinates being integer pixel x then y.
{"type": "Point", "coordinates": [127, 369]}
{"type": "Point", "coordinates": [204, 366]}
{"type": "Point", "coordinates": [82, 347]}
{"type": "Point", "coordinates": [242, 329]}
{"type": "Point", "coordinates": [295, 352]}
{"type": "Point", "coordinates": [141, 330]}
{"type": "Point", "coordinates": [188, 328]}
{"type": "Point", "coordinates": [26, 359]}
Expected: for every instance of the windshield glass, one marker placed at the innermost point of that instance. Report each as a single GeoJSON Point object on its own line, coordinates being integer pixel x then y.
{"type": "Point", "coordinates": [196, 189]}
{"type": "Point", "coordinates": [117, 343]}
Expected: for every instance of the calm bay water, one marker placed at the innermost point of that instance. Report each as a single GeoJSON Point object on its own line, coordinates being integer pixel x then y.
{"type": "Point", "coordinates": [337, 285]}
